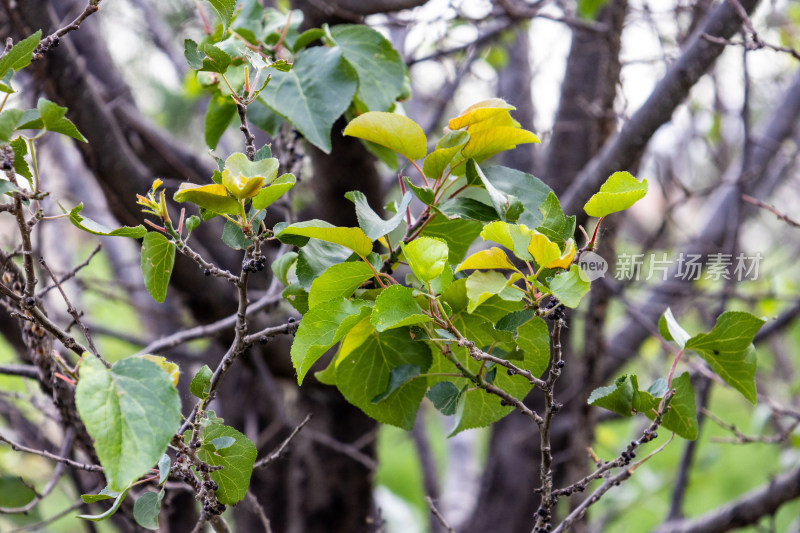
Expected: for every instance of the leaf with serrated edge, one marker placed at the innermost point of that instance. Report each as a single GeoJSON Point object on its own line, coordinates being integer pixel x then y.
{"type": "Point", "coordinates": [201, 383]}
{"type": "Point", "coordinates": [321, 328]}
{"type": "Point", "coordinates": [271, 193]}
{"type": "Point", "coordinates": [54, 120]}
{"type": "Point", "coordinates": [620, 191]}
{"type": "Point", "coordinates": [426, 256]}
{"type": "Point", "coordinates": [728, 350]}
{"type": "Point", "coordinates": [533, 338]}
{"type": "Point", "coordinates": [112, 404]}
{"type": "Point", "coordinates": [569, 287]}
{"type": "Point", "coordinates": [396, 307]}
{"type": "Point", "coordinates": [158, 258]}
{"type": "Point", "coordinates": [20, 54]}
{"type": "Point", "coordinates": [617, 397]}
{"type": "Point", "coordinates": [380, 67]}
{"type": "Point", "coordinates": [315, 93]}
{"type": "Point", "coordinates": [224, 10]}
{"type": "Point", "coordinates": [393, 131]}
{"type": "Point", "coordinates": [366, 371]}
{"type": "Point", "coordinates": [682, 415]}
{"type": "Point", "coordinates": [237, 461]}
{"type": "Point", "coordinates": [339, 280]}
{"type": "Point", "coordinates": [146, 509]}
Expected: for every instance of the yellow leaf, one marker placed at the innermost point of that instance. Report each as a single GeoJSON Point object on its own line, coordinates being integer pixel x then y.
{"type": "Point", "coordinates": [391, 130]}
{"type": "Point", "coordinates": [479, 112]}
{"type": "Point", "coordinates": [566, 258]}
{"type": "Point", "coordinates": [242, 186]}
{"type": "Point", "coordinates": [543, 250]}
{"type": "Point", "coordinates": [488, 142]}
{"type": "Point", "coordinates": [487, 259]}
{"type": "Point", "coordinates": [169, 367]}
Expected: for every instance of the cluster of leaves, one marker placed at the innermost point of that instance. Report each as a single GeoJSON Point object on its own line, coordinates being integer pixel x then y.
{"type": "Point", "coordinates": [727, 349]}
{"type": "Point", "coordinates": [439, 332]}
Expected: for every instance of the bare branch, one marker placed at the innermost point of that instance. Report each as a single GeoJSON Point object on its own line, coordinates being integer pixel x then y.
{"type": "Point", "coordinates": [74, 464]}
{"type": "Point", "coordinates": [277, 453]}
{"type": "Point", "coordinates": [439, 516]}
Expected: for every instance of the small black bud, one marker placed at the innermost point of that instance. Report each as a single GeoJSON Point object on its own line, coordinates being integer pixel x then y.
{"type": "Point", "coordinates": [29, 301]}
{"type": "Point", "coordinates": [510, 372]}
{"type": "Point", "coordinates": [291, 320]}
{"type": "Point", "coordinates": [206, 272]}
{"type": "Point", "coordinates": [197, 444]}
{"type": "Point", "coordinates": [263, 339]}
{"type": "Point", "coordinates": [503, 402]}
{"type": "Point", "coordinates": [560, 364]}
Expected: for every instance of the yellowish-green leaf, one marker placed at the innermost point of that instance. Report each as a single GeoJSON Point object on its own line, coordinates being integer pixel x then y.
{"type": "Point", "coordinates": [480, 111]}
{"type": "Point", "coordinates": [393, 131]}
{"type": "Point", "coordinates": [488, 142]}
{"type": "Point", "coordinates": [426, 256]}
{"type": "Point", "coordinates": [169, 367]}
{"type": "Point", "coordinates": [515, 237]}
{"type": "Point", "coordinates": [352, 238]}
{"type": "Point", "coordinates": [487, 259]}
{"type": "Point", "coordinates": [446, 149]}
{"type": "Point", "coordinates": [240, 186]}
{"type": "Point", "coordinates": [543, 250]}
{"type": "Point", "coordinates": [213, 197]}
{"type": "Point", "coordinates": [620, 191]}
{"type": "Point", "coordinates": [268, 195]}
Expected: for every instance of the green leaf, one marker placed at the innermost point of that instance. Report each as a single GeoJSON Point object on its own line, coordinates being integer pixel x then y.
{"type": "Point", "coordinates": [400, 376]}
{"type": "Point", "coordinates": [483, 285]}
{"type": "Point", "coordinates": [426, 257]}
{"type": "Point", "coordinates": [391, 130]}
{"type": "Point", "coordinates": [515, 237]}
{"type": "Point", "coordinates": [458, 234]}
{"type": "Point", "coordinates": [590, 9]}
{"type": "Point", "coordinates": [508, 207]}
{"type": "Point", "coordinates": [315, 258]}
{"type": "Point", "coordinates": [131, 411]}
{"type": "Point", "coordinates": [338, 281]}
{"type": "Point", "coordinates": [237, 461]}
{"type": "Point", "coordinates": [6, 187]}
{"type": "Point", "coordinates": [380, 68]}
{"type": "Point", "coordinates": [352, 238]}
{"type": "Point", "coordinates": [682, 415]}
{"type": "Point", "coordinates": [322, 327]}
{"type": "Point", "coordinates": [555, 226]}
{"type": "Point", "coordinates": [671, 330]}
{"type": "Point", "coordinates": [533, 338]}
{"type": "Point", "coordinates": [447, 147]}
{"type": "Point", "coordinates": [117, 502]}
{"type": "Point", "coordinates": [271, 193]}
{"type": "Point", "coordinates": [728, 350]}
{"type": "Point", "coordinates": [8, 123]}
{"type": "Point", "coordinates": [164, 465]}
{"type": "Point", "coordinates": [220, 443]}
{"type": "Point", "coordinates": [53, 118]}
{"type": "Point", "coordinates": [90, 226]}
{"type": "Point", "coordinates": [620, 191]}
{"type": "Point", "coordinates": [365, 373]}
{"type": "Point", "coordinates": [445, 396]}
{"type": "Point", "coordinates": [530, 190]}
{"type": "Point", "coordinates": [617, 397]}
{"type": "Point", "coordinates": [20, 54]}
{"type": "Point", "coordinates": [280, 267]}
{"type": "Point", "coordinates": [207, 58]}
{"type": "Point", "coordinates": [369, 221]}
{"type": "Point", "coordinates": [146, 509]}
{"type": "Point", "coordinates": [224, 10]}
{"type": "Point", "coordinates": [191, 224]}
{"type": "Point", "coordinates": [569, 287]}
{"type": "Point", "coordinates": [201, 383]}
{"type": "Point", "coordinates": [239, 165]}
{"type": "Point", "coordinates": [220, 113]}
{"type": "Point", "coordinates": [297, 297]}
{"type": "Point", "coordinates": [469, 209]}
{"type": "Point", "coordinates": [212, 197]}
{"type": "Point", "coordinates": [20, 148]}
{"type": "Point", "coordinates": [158, 258]}
{"type": "Point", "coordinates": [105, 494]}
{"type": "Point", "coordinates": [396, 307]}
{"type": "Point", "coordinates": [314, 93]}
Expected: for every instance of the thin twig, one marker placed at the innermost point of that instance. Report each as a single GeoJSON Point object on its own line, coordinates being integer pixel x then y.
{"type": "Point", "coordinates": [25, 371]}
{"type": "Point", "coordinates": [277, 453]}
{"type": "Point", "coordinates": [259, 509]}
{"type": "Point", "coordinates": [74, 464]}
{"type": "Point", "coordinates": [772, 209]}
{"type": "Point", "coordinates": [439, 516]}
